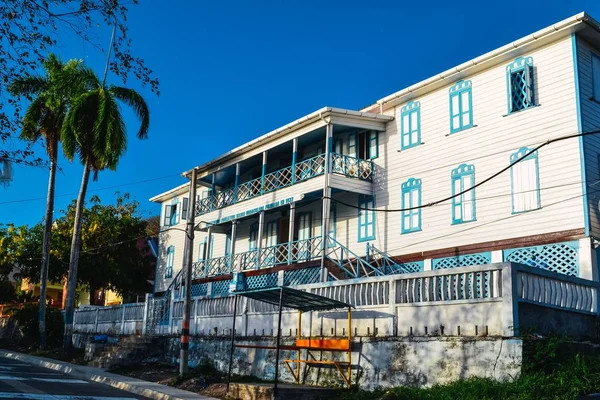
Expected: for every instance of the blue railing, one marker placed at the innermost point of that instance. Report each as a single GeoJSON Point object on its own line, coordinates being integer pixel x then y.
{"type": "Point", "coordinates": [280, 254]}
{"type": "Point", "coordinates": [350, 167]}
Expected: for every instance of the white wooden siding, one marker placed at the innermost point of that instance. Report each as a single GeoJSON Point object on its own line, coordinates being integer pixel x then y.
{"type": "Point", "coordinates": [590, 120]}
{"type": "Point", "coordinates": [487, 146]}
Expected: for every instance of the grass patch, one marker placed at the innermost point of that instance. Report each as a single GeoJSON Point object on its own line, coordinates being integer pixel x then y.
{"type": "Point", "coordinates": [547, 373]}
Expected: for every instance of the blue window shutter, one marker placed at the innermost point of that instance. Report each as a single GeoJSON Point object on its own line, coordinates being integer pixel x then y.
{"type": "Point", "coordinates": [366, 218]}
{"type": "Point", "coordinates": [373, 145]}
{"type": "Point", "coordinates": [461, 106]}
{"type": "Point", "coordinates": [411, 197]}
{"type": "Point", "coordinates": [184, 208]}
{"type": "Point", "coordinates": [167, 216]}
{"type": "Point", "coordinates": [463, 206]}
{"type": "Point", "coordinates": [410, 125]}
{"type": "Point", "coordinates": [170, 262]}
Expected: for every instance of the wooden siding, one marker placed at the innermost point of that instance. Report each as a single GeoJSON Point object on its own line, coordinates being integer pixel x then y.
{"type": "Point", "coordinates": [590, 120]}
{"type": "Point", "coordinates": [488, 146]}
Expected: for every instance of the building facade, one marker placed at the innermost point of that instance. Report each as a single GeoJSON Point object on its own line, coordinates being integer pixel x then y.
{"type": "Point", "coordinates": [445, 173]}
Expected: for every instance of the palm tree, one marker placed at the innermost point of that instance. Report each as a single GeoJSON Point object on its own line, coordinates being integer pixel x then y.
{"type": "Point", "coordinates": [94, 130]}
{"type": "Point", "coordinates": [44, 119]}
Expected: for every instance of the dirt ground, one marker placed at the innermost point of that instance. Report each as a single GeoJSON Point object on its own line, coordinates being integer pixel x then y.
{"type": "Point", "coordinates": [199, 381]}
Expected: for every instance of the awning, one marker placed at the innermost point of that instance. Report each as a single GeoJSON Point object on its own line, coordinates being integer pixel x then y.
{"type": "Point", "coordinates": [293, 298]}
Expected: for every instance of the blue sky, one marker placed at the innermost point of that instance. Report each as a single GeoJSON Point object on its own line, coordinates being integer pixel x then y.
{"type": "Point", "coordinates": [231, 71]}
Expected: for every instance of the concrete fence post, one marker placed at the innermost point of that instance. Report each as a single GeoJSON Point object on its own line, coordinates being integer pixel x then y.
{"type": "Point", "coordinates": [146, 311]}
{"type": "Point", "coordinates": [96, 320]}
{"type": "Point", "coordinates": [123, 320]}
{"type": "Point", "coordinates": [510, 311]}
{"type": "Point", "coordinates": [392, 308]}
{"type": "Point", "coordinates": [244, 313]}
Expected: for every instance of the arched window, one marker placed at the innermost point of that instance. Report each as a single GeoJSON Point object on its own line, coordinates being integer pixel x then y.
{"type": "Point", "coordinates": [525, 181]}
{"type": "Point", "coordinates": [463, 205]}
{"type": "Point", "coordinates": [520, 84]}
{"type": "Point", "coordinates": [170, 262]}
{"type": "Point", "coordinates": [411, 197]}
{"type": "Point", "coordinates": [461, 106]}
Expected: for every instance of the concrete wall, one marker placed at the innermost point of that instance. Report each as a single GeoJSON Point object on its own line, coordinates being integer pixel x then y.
{"type": "Point", "coordinates": [377, 362]}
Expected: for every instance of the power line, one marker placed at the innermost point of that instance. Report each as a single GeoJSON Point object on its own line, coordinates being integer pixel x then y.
{"type": "Point", "coordinates": [443, 200]}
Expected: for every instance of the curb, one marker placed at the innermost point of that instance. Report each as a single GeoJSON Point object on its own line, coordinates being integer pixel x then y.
{"type": "Point", "coordinates": [150, 390]}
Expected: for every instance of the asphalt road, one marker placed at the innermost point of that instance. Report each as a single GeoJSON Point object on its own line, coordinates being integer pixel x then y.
{"type": "Point", "coordinates": [19, 380]}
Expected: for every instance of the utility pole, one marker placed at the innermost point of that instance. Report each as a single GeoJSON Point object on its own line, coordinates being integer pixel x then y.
{"type": "Point", "coordinates": [187, 301]}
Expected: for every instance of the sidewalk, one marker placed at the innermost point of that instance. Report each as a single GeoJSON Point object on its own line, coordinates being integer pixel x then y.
{"type": "Point", "coordinates": [150, 390]}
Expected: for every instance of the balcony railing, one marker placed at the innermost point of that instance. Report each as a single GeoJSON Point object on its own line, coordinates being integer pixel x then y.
{"type": "Point", "coordinates": [351, 167]}
{"type": "Point", "coordinates": [280, 254]}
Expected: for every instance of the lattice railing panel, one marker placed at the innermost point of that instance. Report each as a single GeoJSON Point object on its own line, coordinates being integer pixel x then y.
{"type": "Point", "coordinates": [301, 276]}
{"type": "Point", "coordinates": [220, 287]}
{"type": "Point", "coordinates": [351, 167]}
{"type": "Point", "coordinates": [462, 261]}
{"type": "Point", "coordinates": [249, 189]}
{"type": "Point", "coordinates": [310, 168]}
{"type": "Point", "coordinates": [560, 257]}
{"type": "Point", "coordinates": [219, 266]}
{"type": "Point", "coordinates": [275, 255]}
{"type": "Point", "coordinates": [245, 261]}
{"type": "Point", "coordinates": [306, 250]}
{"type": "Point", "coordinates": [278, 179]}
{"type": "Point", "coordinates": [261, 281]}
{"type": "Point", "coordinates": [200, 289]}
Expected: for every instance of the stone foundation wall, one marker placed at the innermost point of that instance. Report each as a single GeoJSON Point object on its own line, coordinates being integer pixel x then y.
{"type": "Point", "coordinates": [422, 361]}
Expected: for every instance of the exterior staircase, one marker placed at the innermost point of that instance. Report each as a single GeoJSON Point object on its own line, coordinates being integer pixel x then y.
{"type": "Point", "coordinates": [129, 350]}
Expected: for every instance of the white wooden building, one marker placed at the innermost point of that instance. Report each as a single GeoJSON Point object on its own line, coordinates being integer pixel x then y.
{"type": "Point", "coordinates": [261, 207]}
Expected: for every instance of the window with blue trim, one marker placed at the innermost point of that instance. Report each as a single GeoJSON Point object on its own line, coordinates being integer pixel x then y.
{"type": "Point", "coordinates": [366, 218]}
{"type": "Point", "coordinates": [352, 145]}
{"type": "Point", "coordinates": [596, 77]}
{"type": "Point", "coordinates": [184, 208]}
{"type": "Point", "coordinates": [170, 262]}
{"type": "Point", "coordinates": [411, 198]}
{"type": "Point", "coordinates": [410, 125]}
{"type": "Point", "coordinates": [373, 145]}
{"type": "Point", "coordinates": [202, 248]}
{"type": "Point", "coordinates": [463, 206]}
{"type": "Point", "coordinates": [525, 181]}
{"type": "Point", "coordinates": [520, 84]}
{"type": "Point", "coordinates": [253, 237]}
{"type": "Point", "coordinates": [171, 216]}
{"type": "Point", "coordinates": [461, 106]}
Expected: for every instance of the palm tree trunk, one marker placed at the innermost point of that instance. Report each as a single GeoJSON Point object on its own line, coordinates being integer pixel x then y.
{"type": "Point", "coordinates": [74, 260]}
{"type": "Point", "coordinates": [46, 247]}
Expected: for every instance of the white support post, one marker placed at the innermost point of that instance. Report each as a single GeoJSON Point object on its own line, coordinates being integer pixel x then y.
{"type": "Point", "coordinates": [510, 311]}
{"type": "Point", "coordinates": [497, 256]}
{"type": "Point", "coordinates": [294, 158]}
{"type": "Point", "coordinates": [259, 238]}
{"type": "Point", "coordinates": [392, 308]}
{"type": "Point", "coordinates": [264, 172]}
{"type": "Point", "coordinates": [233, 240]}
{"type": "Point", "coordinates": [291, 231]}
{"type": "Point", "coordinates": [326, 201]}
{"type": "Point", "coordinates": [172, 311]}
{"type": "Point", "coordinates": [587, 260]}
{"type": "Point", "coordinates": [146, 311]}
{"type": "Point", "coordinates": [123, 320]}
{"type": "Point", "coordinates": [194, 325]}
{"type": "Point", "coordinates": [280, 276]}
{"type": "Point", "coordinates": [427, 264]}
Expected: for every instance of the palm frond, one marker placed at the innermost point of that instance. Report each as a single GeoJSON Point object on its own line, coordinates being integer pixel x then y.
{"type": "Point", "coordinates": [34, 118]}
{"type": "Point", "coordinates": [28, 86]}
{"type": "Point", "coordinates": [134, 100]}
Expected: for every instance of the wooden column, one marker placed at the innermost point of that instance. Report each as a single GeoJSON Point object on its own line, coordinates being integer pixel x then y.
{"type": "Point", "coordinates": [326, 201]}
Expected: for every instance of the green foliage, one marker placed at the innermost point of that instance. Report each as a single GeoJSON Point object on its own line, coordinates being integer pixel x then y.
{"type": "Point", "coordinates": [547, 374]}
{"type": "Point", "coordinates": [27, 321]}
{"type": "Point", "coordinates": [114, 252]}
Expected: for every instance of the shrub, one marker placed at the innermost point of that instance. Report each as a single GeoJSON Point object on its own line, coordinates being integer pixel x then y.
{"type": "Point", "coordinates": [27, 321]}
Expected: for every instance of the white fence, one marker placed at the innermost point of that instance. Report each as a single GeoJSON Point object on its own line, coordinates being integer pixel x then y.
{"type": "Point", "coordinates": [477, 300]}
{"type": "Point", "coordinates": [123, 319]}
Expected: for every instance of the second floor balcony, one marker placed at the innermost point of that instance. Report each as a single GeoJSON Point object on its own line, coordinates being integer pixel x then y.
{"type": "Point", "coordinates": [296, 173]}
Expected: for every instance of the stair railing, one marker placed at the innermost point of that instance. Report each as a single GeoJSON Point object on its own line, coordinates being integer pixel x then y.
{"type": "Point", "coordinates": [353, 265]}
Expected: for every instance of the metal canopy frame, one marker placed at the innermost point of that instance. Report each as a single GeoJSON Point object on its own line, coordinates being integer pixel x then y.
{"type": "Point", "coordinates": [303, 302]}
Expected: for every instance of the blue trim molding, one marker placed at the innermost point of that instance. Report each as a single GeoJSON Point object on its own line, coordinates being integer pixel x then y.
{"type": "Point", "coordinates": [406, 125]}
{"type": "Point", "coordinates": [586, 207]}
{"type": "Point", "coordinates": [457, 177]}
{"type": "Point", "coordinates": [366, 218]}
{"type": "Point", "coordinates": [456, 94]}
{"type": "Point", "coordinates": [408, 189]}
{"type": "Point", "coordinates": [520, 87]}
